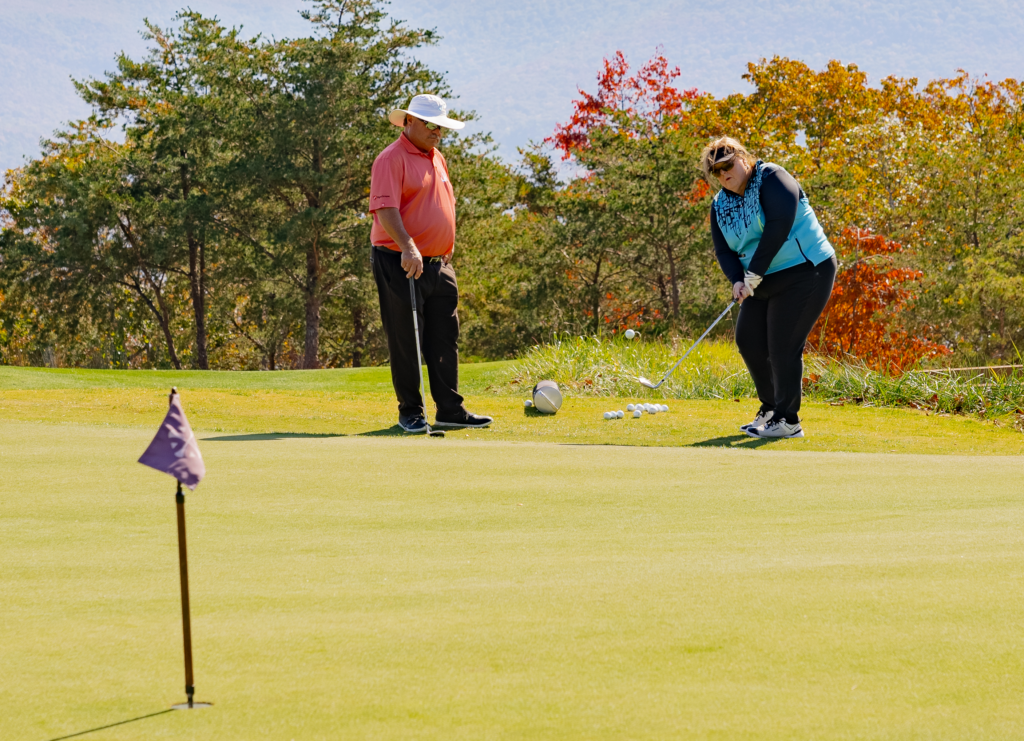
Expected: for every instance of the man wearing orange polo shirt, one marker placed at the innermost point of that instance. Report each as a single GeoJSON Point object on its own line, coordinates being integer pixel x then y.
{"type": "Point", "coordinates": [413, 236]}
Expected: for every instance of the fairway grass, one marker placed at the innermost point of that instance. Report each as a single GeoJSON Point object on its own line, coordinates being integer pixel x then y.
{"type": "Point", "coordinates": [362, 587]}
{"type": "Point", "coordinates": [361, 402]}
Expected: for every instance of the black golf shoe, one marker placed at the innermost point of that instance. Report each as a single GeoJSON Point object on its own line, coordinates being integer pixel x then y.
{"type": "Point", "coordinates": [461, 418]}
{"type": "Point", "coordinates": [415, 423]}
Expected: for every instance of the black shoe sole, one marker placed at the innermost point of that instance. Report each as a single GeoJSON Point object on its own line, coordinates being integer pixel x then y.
{"type": "Point", "coordinates": [419, 431]}
{"type": "Point", "coordinates": [798, 434]}
{"type": "Point", "coordinates": [461, 426]}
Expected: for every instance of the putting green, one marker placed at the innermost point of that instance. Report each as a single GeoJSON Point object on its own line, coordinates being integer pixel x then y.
{"type": "Point", "coordinates": [380, 587]}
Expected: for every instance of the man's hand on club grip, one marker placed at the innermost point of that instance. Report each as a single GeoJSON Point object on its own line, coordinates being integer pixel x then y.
{"type": "Point", "coordinates": [412, 262]}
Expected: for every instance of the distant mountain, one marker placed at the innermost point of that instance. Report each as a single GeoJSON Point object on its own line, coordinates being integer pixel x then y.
{"type": "Point", "coordinates": [520, 63]}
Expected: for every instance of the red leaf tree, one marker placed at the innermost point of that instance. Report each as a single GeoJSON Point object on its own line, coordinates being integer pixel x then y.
{"type": "Point", "coordinates": [645, 103]}
{"type": "Point", "coordinates": [870, 291]}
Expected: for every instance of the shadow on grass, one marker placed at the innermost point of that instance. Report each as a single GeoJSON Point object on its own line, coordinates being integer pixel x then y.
{"type": "Point", "coordinates": [111, 725]}
{"type": "Point", "coordinates": [745, 442]}
{"type": "Point", "coordinates": [256, 436]}
{"type": "Point", "coordinates": [392, 431]}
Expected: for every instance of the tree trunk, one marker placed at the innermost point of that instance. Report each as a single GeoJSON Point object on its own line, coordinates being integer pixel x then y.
{"type": "Point", "coordinates": [164, 317]}
{"type": "Point", "coordinates": [311, 358]}
{"type": "Point", "coordinates": [596, 298]}
{"type": "Point", "coordinates": [197, 287]}
{"type": "Point", "coordinates": [274, 342]}
{"type": "Point", "coordinates": [358, 337]}
{"type": "Point", "coordinates": [196, 274]}
{"type": "Point", "coordinates": [311, 354]}
{"type": "Point", "coordinates": [673, 272]}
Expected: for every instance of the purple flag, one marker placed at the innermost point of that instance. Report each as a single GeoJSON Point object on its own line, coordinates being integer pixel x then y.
{"type": "Point", "coordinates": [174, 449]}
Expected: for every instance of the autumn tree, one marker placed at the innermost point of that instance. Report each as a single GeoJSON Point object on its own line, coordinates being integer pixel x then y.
{"type": "Point", "coordinates": [635, 222]}
{"type": "Point", "coordinates": [872, 287]}
{"type": "Point", "coordinates": [973, 248]}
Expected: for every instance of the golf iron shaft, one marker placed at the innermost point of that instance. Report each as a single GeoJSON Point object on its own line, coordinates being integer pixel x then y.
{"type": "Point", "coordinates": [644, 382]}
{"type": "Point", "coordinates": [419, 357]}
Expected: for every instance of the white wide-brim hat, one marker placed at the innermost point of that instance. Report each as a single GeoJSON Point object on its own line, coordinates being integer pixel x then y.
{"type": "Point", "coordinates": [426, 108]}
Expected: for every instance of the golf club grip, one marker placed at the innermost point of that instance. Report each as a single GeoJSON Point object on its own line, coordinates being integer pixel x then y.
{"type": "Point", "coordinates": [412, 292]}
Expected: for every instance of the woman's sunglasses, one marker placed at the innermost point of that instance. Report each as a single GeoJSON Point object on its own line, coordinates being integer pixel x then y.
{"type": "Point", "coordinates": [724, 167]}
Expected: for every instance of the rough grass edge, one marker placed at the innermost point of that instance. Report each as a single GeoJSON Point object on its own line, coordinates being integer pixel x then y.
{"type": "Point", "coordinates": [599, 366]}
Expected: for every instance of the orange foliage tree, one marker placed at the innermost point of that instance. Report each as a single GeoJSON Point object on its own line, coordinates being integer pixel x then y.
{"type": "Point", "coordinates": [870, 291]}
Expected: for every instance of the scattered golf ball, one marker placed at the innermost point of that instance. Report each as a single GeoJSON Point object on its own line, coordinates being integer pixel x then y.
{"type": "Point", "coordinates": [630, 407]}
{"type": "Point", "coordinates": [636, 413]}
{"type": "Point", "coordinates": [608, 415]}
{"type": "Point", "coordinates": [654, 409]}
{"type": "Point", "coordinates": [528, 403]}
{"type": "Point", "coordinates": [664, 407]}
{"type": "Point", "coordinates": [620, 414]}
{"type": "Point", "coordinates": [630, 334]}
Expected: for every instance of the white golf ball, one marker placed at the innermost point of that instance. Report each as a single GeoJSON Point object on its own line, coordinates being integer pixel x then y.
{"type": "Point", "coordinates": [654, 409]}
{"type": "Point", "coordinates": [636, 414]}
{"type": "Point", "coordinates": [630, 407]}
{"type": "Point", "coordinates": [649, 408]}
{"type": "Point", "coordinates": [664, 407]}
{"type": "Point", "coordinates": [528, 403]}
{"type": "Point", "coordinates": [607, 415]}
{"type": "Point", "coordinates": [620, 414]}
{"type": "Point", "coordinates": [630, 334]}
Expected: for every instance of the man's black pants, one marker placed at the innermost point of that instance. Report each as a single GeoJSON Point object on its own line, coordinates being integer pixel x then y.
{"type": "Point", "coordinates": [772, 330]}
{"type": "Point", "coordinates": [437, 301]}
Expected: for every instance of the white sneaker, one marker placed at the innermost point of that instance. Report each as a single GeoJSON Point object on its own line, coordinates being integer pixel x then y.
{"type": "Point", "coordinates": [759, 421]}
{"type": "Point", "coordinates": [777, 428]}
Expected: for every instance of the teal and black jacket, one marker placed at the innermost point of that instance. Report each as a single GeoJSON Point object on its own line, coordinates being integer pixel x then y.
{"type": "Point", "coordinates": [769, 228]}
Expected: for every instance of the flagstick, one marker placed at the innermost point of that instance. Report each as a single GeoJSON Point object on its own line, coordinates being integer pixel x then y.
{"type": "Point", "coordinates": [185, 619]}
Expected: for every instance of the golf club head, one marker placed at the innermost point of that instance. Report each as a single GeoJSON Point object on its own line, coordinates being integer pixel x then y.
{"type": "Point", "coordinates": [434, 433]}
{"type": "Point", "coordinates": [644, 382]}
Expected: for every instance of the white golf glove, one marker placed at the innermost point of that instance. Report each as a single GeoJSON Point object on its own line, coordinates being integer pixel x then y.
{"type": "Point", "coordinates": [751, 281]}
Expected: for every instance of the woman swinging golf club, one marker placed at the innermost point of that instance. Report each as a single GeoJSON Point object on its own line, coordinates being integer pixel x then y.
{"type": "Point", "coordinates": [782, 267]}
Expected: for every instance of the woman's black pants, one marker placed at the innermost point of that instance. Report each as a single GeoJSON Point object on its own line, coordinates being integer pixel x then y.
{"type": "Point", "coordinates": [772, 330]}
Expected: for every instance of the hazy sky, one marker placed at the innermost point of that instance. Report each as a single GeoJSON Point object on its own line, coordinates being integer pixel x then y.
{"type": "Point", "coordinates": [520, 63]}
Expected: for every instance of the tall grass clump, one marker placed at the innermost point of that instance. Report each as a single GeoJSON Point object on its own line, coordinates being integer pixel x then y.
{"type": "Point", "coordinates": [951, 392]}
{"type": "Point", "coordinates": [596, 366]}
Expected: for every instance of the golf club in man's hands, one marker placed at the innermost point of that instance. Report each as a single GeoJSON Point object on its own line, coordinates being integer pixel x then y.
{"type": "Point", "coordinates": [645, 382]}
{"type": "Point", "coordinates": [419, 358]}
